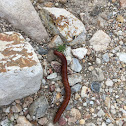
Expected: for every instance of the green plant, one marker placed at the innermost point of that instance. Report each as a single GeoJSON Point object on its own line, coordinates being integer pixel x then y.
{"type": "Point", "coordinates": [61, 48]}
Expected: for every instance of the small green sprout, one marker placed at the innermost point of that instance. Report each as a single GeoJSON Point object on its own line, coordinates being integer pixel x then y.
{"type": "Point", "coordinates": [61, 48]}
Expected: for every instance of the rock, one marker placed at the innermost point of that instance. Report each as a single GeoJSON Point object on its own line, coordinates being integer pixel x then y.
{"type": "Point", "coordinates": [62, 121]}
{"type": "Point", "coordinates": [27, 101]}
{"type": "Point", "coordinates": [100, 113]}
{"type": "Point", "coordinates": [75, 65]}
{"type": "Point", "coordinates": [42, 51]}
{"type": "Point", "coordinates": [66, 25]}
{"type": "Point", "coordinates": [85, 92]}
{"type": "Point", "coordinates": [122, 57]}
{"type": "Point", "coordinates": [56, 41]}
{"type": "Point", "coordinates": [82, 122]}
{"type": "Point", "coordinates": [97, 74]}
{"type": "Point", "coordinates": [39, 107]}
{"type": "Point", "coordinates": [20, 69]}
{"type": "Point", "coordinates": [52, 76]}
{"type": "Point", "coordinates": [79, 52]}
{"type": "Point", "coordinates": [90, 124]}
{"type": "Point", "coordinates": [100, 41]}
{"type": "Point", "coordinates": [76, 88]}
{"type": "Point", "coordinates": [6, 122]}
{"type": "Point", "coordinates": [20, 14]}
{"type": "Point", "coordinates": [95, 86]}
{"type": "Point", "coordinates": [103, 124]}
{"type": "Point", "coordinates": [22, 121]}
{"type": "Point", "coordinates": [105, 57]}
{"type": "Point", "coordinates": [42, 121]}
{"type": "Point", "coordinates": [109, 82]}
{"type": "Point", "coordinates": [75, 113]}
{"type": "Point", "coordinates": [120, 18]}
{"type": "Point", "coordinates": [98, 61]}
{"type": "Point", "coordinates": [16, 108]}
{"type": "Point", "coordinates": [74, 78]}
{"type": "Point", "coordinates": [68, 54]}
{"type": "Point", "coordinates": [107, 102]}
{"type": "Point", "coordinates": [123, 3]}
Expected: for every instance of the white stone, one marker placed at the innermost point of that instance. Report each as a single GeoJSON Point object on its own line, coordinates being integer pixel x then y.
{"type": "Point", "coordinates": [20, 69]}
{"type": "Point", "coordinates": [100, 41]}
{"type": "Point", "coordinates": [52, 76]}
{"type": "Point", "coordinates": [67, 24]}
{"type": "Point", "coordinates": [22, 15]}
{"type": "Point", "coordinates": [75, 65]}
{"type": "Point", "coordinates": [98, 61]}
{"type": "Point", "coordinates": [79, 52]}
{"type": "Point", "coordinates": [100, 113]}
{"type": "Point", "coordinates": [85, 92]}
{"type": "Point", "coordinates": [109, 82]}
{"type": "Point", "coordinates": [122, 57]}
{"type": "Point", "coordinates": [74, 78]}
{"type": "Point", "coordinates": [68, 54]}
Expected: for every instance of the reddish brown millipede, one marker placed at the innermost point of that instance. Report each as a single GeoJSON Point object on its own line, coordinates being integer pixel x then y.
{"type": "Point", "coordinates": [66, 85]}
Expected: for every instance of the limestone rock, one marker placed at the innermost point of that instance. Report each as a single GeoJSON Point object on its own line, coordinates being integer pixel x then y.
{"type": "Point", "coordinates": [63, 23]}
{"type": "Point", "coordinates": [100, 41]}
{"type": "Point", "coordinates": [20, 69]}
{"type": "Point", "coordinates": [22, 15]}
{"type": "Point", "coordinates": [79, 52]}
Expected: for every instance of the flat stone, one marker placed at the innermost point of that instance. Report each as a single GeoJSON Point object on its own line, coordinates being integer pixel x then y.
{"type": "Point", "coordinates": [20, 14]}
{"type": "Point", "coordinates": [66, 25]}
{"type": "Point", "coordinates": [90, 124]}
{"type": "Point", "coordinates": [76, 88]}
{"type": "Point", "coordinates": [21, 121]}
{"type": "Point", "coordinates": [95, 86]}
{"type": "Point", "coordinates": [39, 107]}
{"type": "Point", "coordinates": [74, 78]}
{"type": "Point", "coordinates": [105, 57]}
{"type": "Point", "coordinates": [20, 69]}
{"type": "Point", "coordinates": [97, 74]}
{"type": "Point", "coordinates": [100, 113]}
{"type": "Point", "coordinates": [122, 57]}
{"type": "Point", "coordinates": [52, 76]}
{"type": "Point", "coordinates": [109, 82]}
{"type": "Point", "coordinates": [75, 65]}
{"type": "Point", "coordinates": [79, 52]}
{"type": "Point", "coordinates": [100, 41]}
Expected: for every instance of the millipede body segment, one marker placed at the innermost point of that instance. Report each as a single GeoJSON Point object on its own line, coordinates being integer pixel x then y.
{"type": "Point", "coordinates": [66, 85]}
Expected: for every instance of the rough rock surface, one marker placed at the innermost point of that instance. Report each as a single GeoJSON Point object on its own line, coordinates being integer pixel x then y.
{"type": "Point", "coordinates": [100, 41]}
{"type": "Point", "coordinates": [20, 69]}
{"type": "Point", "coordinates": [22, 15]}
{"type": "Point", "coordinates": [66, 25]}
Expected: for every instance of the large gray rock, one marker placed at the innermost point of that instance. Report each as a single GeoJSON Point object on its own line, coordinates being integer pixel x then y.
{"type": "Point", "coordinates": [22, 15]}
{"type": "Point", "coordinates": [20, 69]}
